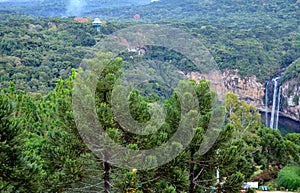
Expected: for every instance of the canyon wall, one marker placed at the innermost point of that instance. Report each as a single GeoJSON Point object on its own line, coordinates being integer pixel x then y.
{"type": "Point", "coordinates": [252, 90]}
{"type": "Point", "coordinates": [248, 88]}
{"type": "Point", "coordinates": [290, 99]}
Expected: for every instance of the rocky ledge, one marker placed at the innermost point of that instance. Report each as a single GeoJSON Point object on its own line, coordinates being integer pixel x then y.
{"type": "Point", "coordinates": [253, 91]}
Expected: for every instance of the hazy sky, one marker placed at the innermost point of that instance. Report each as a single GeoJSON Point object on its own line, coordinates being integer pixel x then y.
{"type": "Point", "coordinates": [18, 0]}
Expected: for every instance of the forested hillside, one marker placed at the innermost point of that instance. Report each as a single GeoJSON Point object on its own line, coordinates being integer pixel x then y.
{"type": "Point", "coordinates": [42, 149]}
{"type": "Point", "coordinates": [34, 53]}
{"type": "Point", "coordinates": [292, 71]}
{"type": "Point", "coordinates": [47, 51]}
{"type": "Point", "coordinates": [48, 8]}
{"type": "Point", "coordinates": [256, 37]}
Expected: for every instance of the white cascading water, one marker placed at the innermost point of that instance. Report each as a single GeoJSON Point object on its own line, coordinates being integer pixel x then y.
{"type": "Point", "coordinates": [275, 80]}
{"type": "Point", "coordinates": [266, 103]}
{"type": "Point", "coordinates": [278, 107]}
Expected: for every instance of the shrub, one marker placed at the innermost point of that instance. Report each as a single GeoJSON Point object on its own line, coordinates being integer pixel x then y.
{"type": "Point", "coordinates": [289, 177]}
{"type": "Point", "coordinates": [233, 183]}
{"type": "Point", "coordinates": [251, 190]}
{"type": "Point", "coordinates": [272, 185]}
{"type": "Point", "coordinates": [266, 175]}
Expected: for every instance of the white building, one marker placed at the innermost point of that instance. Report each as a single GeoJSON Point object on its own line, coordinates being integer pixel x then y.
{"type": "Point", "coordinates": [97, 23]}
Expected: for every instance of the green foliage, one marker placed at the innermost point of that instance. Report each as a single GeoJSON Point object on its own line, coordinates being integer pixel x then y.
{"type": "Point", "coordinates": [36, 52]}
{"type": "Point", "coordinates": [292, 72]}
{"type": "Point", "coordinates": [9, 129]}
{"type": "Point", "coordinates": [267, 175]}
{"type": "Point", "coordinates": [50, 8]}
{"type": "Point", "coordinates": [243, 116]}
{"type": "Point", "coordinates": [164, 187]}
{"type": "Point", "coordinates": [251, 190]}
{"type": "Point", "coordinates": [293, 137]}
{"type": "Point", "coordinates": [272, 144]}
{"type": "Point", "coordinates": [246, 120]}
{"type": "Point", "coordinates": [289, 177]}
{"type": "Point", "coordinates": [175, 175]}
{"type": "Point", "coordinates": [45, 153]}
{"type": "Point", "coordinates": [177, 59]}
{"type": "Point", "coordinates": [129, 183]}
{"type": "Point", "coordinates": [273, 184]}
{"type": "Point", "coordinates": [255, 38]}
{"type": "Point", "coordinates": [41, 150]}
{"type": "Point", "coordinates": [233, 183]}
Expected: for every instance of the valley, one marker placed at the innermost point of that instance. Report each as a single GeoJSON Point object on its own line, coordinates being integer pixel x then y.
{"type": "Point", "coordinates": [90, 95]}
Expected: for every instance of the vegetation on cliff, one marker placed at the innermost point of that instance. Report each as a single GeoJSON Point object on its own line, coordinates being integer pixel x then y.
{"type": "Point", "coordinates": [42, 150]}
{"type": "Point", "coordinates": [255, 37]}
{"type": "Point", "coordinates": [40, 57]}
{"type": "Point", "coordinates": [292, 72]}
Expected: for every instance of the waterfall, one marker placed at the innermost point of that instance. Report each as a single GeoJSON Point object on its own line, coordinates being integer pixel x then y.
{"type": "Point", "coordinates": [266, 103]}
{"type": "Point", "coordinates": [278, 107]}
{"type": "Point", "coordinates": [275, 80]}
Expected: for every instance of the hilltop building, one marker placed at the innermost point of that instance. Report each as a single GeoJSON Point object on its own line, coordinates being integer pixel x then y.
{"type": "Point", "coordinates": [97, 23]}
{"type": "Point", "coordinates": [139, 50]}
{"type": "Point", "coordinates": [82, 20]}
{"type": "Point", "coordinates": [137, 16]}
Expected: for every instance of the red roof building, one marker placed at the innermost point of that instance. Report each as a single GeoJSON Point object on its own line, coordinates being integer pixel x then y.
{"type": "Point", "coordinates": [137, 16]}
{"type": "Point", "coordinates": [82, 20]}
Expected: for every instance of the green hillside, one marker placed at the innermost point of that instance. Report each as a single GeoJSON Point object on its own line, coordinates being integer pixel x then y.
{"type": "Point", "coordinates": [292, 71]}
{"type": "Point", "coordinates": [36, 52]}
{"type": "Point", "coordinates": [255, 37]}
{"type": "Point", "coordinates": [50, 142]}
{"type": "Point", "coordinates": [50, 8]}
{"type": "Point", "coordinates": [229, 11]}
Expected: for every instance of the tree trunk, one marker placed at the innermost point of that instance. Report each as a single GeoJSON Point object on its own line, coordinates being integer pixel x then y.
{"type": "Point", "coordinates": [106, 177]}
{"type": "Point", "coordinates": [107, 166]}
{"type": "Point", "coordinates": [192, 167]}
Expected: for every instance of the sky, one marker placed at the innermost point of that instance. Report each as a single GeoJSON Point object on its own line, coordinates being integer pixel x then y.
{"type": "Point", "coordinates": [18, 0]}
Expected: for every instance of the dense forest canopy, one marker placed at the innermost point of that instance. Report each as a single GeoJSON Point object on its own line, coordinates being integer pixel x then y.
{"type": "Point", "coordinates": [48, 8]}
{"type": "Point", "coordinates": [45, 48]}
{"type": "Point", "coordinates": [255, 37]}
{"type": "Point", "coordinates": [292, 71]}
{"type": "Point", "coordinates": [42, 150]}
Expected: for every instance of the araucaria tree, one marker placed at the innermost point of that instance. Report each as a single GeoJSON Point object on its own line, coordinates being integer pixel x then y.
{"type": "Point", "coordinates": [195, 168]}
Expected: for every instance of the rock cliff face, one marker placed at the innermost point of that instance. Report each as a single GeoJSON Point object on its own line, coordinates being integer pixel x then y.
{"type": "Point", "coordinates": [252, 90]}
{"type": "Point", "coordinates": [290, 99]}
{"type": "Point", "coordinates": [248, 88]}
